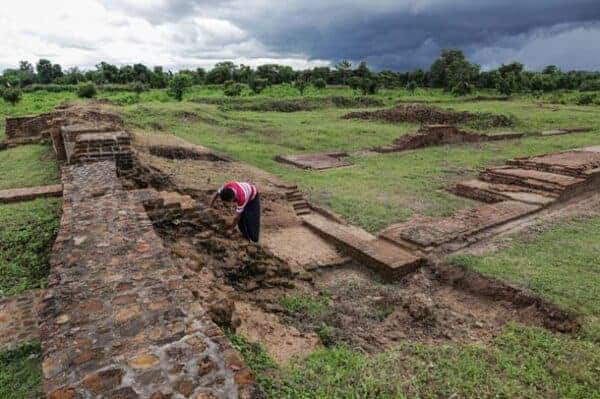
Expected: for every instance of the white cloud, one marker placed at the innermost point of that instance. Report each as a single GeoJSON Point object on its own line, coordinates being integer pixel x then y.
{"type": "Point", "coordinates": [85, 32]}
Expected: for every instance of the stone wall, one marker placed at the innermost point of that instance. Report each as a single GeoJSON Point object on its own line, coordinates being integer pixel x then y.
{"type": "Point", "coordinates": [117, 321]}
{"type": "Point", "coordinates": [30, 126]}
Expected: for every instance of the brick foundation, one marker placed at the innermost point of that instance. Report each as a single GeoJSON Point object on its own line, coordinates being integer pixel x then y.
{"type": "Point", "coordinates": [118, 320]}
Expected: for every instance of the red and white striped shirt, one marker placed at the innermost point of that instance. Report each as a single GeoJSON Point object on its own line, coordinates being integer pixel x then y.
{"type": "Point", "coordinates": [244, 193]}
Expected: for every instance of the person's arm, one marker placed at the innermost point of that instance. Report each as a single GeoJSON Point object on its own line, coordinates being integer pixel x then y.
{"type": "Point", "coordinates": [214, 198]}
{"type": "Point", "coordinates": [234, 221]}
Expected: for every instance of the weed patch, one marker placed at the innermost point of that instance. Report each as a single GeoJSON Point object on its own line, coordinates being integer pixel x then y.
{"type": "Point", "coordinates": [20, 372]}
{"type": "Point", "coordinates": [27, 231]}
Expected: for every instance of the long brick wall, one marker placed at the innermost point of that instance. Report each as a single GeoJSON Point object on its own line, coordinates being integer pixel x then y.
{"type": "Point", "coordinates": [117, 321]}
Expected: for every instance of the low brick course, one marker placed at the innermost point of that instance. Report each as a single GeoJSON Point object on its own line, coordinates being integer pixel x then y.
{"type": "Point", "coordinates": [18, 319]}
{"type": "Point", "coordinates": [30, 193]}
{"type": "Point", "coordinates": [117, 320]}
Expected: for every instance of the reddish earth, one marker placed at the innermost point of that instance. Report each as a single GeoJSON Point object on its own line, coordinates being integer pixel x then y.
{"type": "Point", "coordinates": [420, 113]}
{"type": "Point", "coordinates": [318, 161]}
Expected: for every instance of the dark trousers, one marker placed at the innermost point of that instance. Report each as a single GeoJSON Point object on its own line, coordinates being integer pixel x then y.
{"type": "Point", "coordinates": [249, 223]}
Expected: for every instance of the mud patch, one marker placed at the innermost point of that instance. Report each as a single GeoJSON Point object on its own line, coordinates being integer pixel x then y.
{"type": "Point", "coordinates": [434, 305]}
{"type": "Point", "coordinates": [423, 114]}
{"type": "Point", "coordinates": [317, 161]}
{"type": "Point", "coordinates": [174, 152]}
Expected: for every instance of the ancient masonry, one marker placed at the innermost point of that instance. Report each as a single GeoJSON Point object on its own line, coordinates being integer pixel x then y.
{"type": "Point", "coordinates": [427, 136]}
{"type": "Point", "coordinates": [117, 320]}
{"type": "Point", "coordinates": [523, 187]}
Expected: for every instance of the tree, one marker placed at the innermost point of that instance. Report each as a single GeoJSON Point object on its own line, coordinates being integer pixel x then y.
{"type": "Point", "coordinates": [111, 74]}
{"type": "Point", "coordinates": [257, 85]}
{"type": "Point", "coordinates": [232, 89]}
{"type": "Point", "coordinates": [452, 68]}
{"type": "Point", "coordinates": [300, 84]}
{"type": "Point", "coordinates": [411, 87]}
{"type": "Point", "coordinates": [368, 86]}
{"type": "Point", "coordinates": [506, 85]}
{"type": "Point", "coordinates": [363, 70]}
{"type": "Point", "coordinates": [44, 71]}
{"type": "Point", "coordinates": [344, 71]}
{"type": "Point", "coordinates": [354, 82]}
{"type": "Point", "coordinates": [462, 89]}
{"type": "Point", "coordinates": [221, 73]}
{"type": "Point", "coordinates": [86, 90]}
{"type": "Point", "coordinates": [178, 85]}
{"type": "Point", "coordinates": [12, 95]}
{"type": "Point", "coordinates": [319, 83]}
{"type": "Point", "coordinates": [159, 78]}
{"type": "Point", "coordinates": [138, 88]}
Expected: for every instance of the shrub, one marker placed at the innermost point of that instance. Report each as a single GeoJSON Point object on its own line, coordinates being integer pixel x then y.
{"type": "Point", "coordinates": [178, 85]}
{"type": "Point", "coordinates": [590, 85]}
{"type": "Point", "coordinates": [12, 95]}
{"type": "Point", "coordinates": [319, 83]}
{"type": "Point", "coordinates": [232, 89]}
{"type": "Point", "coordinates": [86, 90]}
{"type": "Point", "coordinates": [300, 84]}
{"type": "Point", "coordinates": [462, 89]}
{"type": "Point", "coordinates": [586, 99]}
{"type": "Point", "coordinates": [369, 86]}
{"type": "Point", "coordinates": [412, 86]}
{"type": "Point", "coordinates": [257, 85]}
{"type": "Point", "coordinates": [354, 82]}
{"type": "Point", "coordinates": [137, 87]}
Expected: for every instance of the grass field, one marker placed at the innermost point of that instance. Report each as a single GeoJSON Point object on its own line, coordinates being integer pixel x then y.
{"type": "Point", "coordinates": [560, 263]}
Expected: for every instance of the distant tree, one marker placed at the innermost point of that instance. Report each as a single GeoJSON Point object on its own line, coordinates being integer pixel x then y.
{"type": "Point", "coordinates": [138, 88]}
{"type": "Point", "coordinates": [200, 76]}
{"type": "Point", "coordinates": [243, 74]}
{"type": "Point", "coordinates": [159, 79]}
{"type": "Point", "coordinates": [452, 68]}
{"type": "Point", "coordinates": [44, 71]}
{"type": "Point", "coordinates": [344, 71]}
{"type": "Point", "coordinates": [551, 70]}
{"type": "Point", "coordinates": [412, 86]}
{"type": "Point", "coordinates": [12, 95]}
{"type": "Point", "coordinates": [368, 86]}
{"type": "Point", "coordinates": [178, 85]}
{"type": "Point", "coordinates": [506, 85]}
{"type": "Point", "coordinates": [363, 70]}
{"type": "Point", "coordinates": [462, 89]}
{"type": "Point", "coordinates": [73, 76]}
{"type": "Point", "coordinates": [354, 82]}
{"type": "Point", "coordinates": [301, 83]}
{"type": "Point", "coordinates": [110, 73]}
{"type": "Point", "coordinates": [319, 83]}
{"type": "Point", "coordinates": [221, 73]}
{"type": "Point", "coordinates": [257, 85]}
{"type": "Point", "coordinates": [232, 89]}
{"type": "Point", "coordinates": [514, 68]}
{"type": "Point", "coordinates": [86, 90]}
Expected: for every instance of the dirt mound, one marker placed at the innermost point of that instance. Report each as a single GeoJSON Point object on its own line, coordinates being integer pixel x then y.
{"type": "Point", "coordinates": [292, 104]}
{"type": "Point", "coordinates": [423, 114]}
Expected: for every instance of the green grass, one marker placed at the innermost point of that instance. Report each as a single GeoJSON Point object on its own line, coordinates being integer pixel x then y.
{"type": "Point", "coordinates": [393, 187]}
{"type": "Point", "coordinates": [522, 362]}
{"type": "Point", "coordinates": [20, 372]}
{"type": "Point", "coordinates": [306, 305]}
{"type": "Point", "coordinates": [27, 230]}
{"type": "Point", "coordinates": [28, 166]}
{"type": "Point", "coordinates": [31, 104]}
{"type": "Point", "coordinates": [562, 264]}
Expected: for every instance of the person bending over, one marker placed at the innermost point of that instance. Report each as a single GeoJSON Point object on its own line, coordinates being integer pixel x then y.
{"type": "Point", "coordinates": [247, 216]}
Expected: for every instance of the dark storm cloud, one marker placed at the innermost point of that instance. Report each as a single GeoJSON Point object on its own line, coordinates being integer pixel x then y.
{"type": "Point", "coordinates": [389, 34]}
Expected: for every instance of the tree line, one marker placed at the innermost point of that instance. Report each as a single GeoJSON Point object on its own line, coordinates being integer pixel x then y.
{"type": "Point", "coordinates": [452, 71]}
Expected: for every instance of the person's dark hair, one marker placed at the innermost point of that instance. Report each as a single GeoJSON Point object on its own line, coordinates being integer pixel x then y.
{"type": "Point", "coordinates": [227, 195]}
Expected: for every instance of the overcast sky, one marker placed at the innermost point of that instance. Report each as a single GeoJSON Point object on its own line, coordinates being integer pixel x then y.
{"type": "Point", "coordinates": [395, 34]}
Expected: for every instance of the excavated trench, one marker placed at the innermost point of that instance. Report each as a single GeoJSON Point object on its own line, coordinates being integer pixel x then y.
{"type": "Point", "coordinates": [292, 312]}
